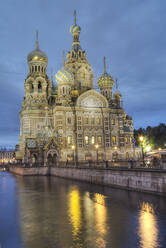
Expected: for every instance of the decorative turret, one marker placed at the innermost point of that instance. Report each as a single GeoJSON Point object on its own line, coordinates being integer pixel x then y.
{"type": "Point", "coordinates": [105, 83]}
{"type": "Point", "coordinates": [37, 60]}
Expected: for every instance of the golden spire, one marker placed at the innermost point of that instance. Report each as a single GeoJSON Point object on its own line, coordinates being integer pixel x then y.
{"type": "Point", "coordinates": [63, 57]}
{"type": "Point", "coordinates": [104, 64]}
{"type": "Point", "coordinates": [75, 15]}
{"type": "Point", "coordinates": [37, 40]}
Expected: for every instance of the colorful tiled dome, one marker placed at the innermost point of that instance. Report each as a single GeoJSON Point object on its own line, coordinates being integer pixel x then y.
{"type": "Point", "coordinates": [105, 80]}
{"type": "Point", "coordinates": [75, 29]}
{"type": "Point", "coordinates": [64, 76]}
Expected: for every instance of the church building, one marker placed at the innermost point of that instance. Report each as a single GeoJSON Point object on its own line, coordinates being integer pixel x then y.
{"type": "Point", "coordinates": [72, 121]}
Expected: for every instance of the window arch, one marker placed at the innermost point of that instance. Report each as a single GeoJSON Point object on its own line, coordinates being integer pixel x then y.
{"type": "Point", "coordinates": [86, 140]}
{"type": "Point", "coordinates": [35, 67]}
{"type": "Point", "coordinates": [93, 140]}
{"type": "Point", "coordinates": [31, 88]}
{"type": "Point", "coordinates": [63, 89]}
{"type": "Point", "coordinates": [32, 69]}
{"type": "Point", "coordinates": [39, 87]}
{"type": "Point", "coordinates": [42, 69]}
{"type": "Point", "coordinates": [39, 68]}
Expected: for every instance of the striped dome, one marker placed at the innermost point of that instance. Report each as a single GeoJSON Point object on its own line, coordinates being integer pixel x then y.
{"type": "Point", "coordinates": [74, 29]}
{"type": "Point", "coordinates": [64, 76]}
{"type": "Point", "coordinates": [105, 80]}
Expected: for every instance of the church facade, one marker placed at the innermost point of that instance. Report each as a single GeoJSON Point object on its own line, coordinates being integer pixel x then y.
{"type": "Point", "coordinates": [72, 121]}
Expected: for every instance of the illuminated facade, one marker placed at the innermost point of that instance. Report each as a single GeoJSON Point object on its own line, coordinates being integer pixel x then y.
{"type": "Point", "coordinates": [72, 120]}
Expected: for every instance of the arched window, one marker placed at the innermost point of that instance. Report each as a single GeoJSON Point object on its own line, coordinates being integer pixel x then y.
{"type": "Point", "coordinates": [39, 87]}
{"type": "Point", "coordinates": [32, 69]}
{"type": "Point", "coordinates": [35, 67]}
{"type": "Point", "coordinates": [86, 140]}
{"type": "Point", "coordinates": [42, 69]}
{"type": "Point", "coordinates": [113, 140]}
{"type": "Point", "coordinates": [38, 68]}
{"type": "Point", "coordinates": [63, 90]}
{"type": "Point", "coordinates": [93, 140]}
{"type": "Point", "coordinates": [99, 139]}
{"type": "Point", "coordinates": [126, 140]}
{"type": "Point", "coordinates": [69, 139]}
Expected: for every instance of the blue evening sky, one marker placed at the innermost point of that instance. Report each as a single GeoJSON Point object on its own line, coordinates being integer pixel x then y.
{"type": "Point", "coordinates": [130, 33]}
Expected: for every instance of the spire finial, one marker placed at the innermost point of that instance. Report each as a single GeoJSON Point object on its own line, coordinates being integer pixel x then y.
{"type": "Point", "coordinates": [63, 57]}
{"type": "Point", "coordinates": [75, 15]}
{"type": "Point", "coordinates": [116, 84]}
{"type": "Point", "coordinates": [37, 40]}
{"type": "Point", "coordinates": [51, 75]}
{"type": "Point", "coordinates": [104, 64]}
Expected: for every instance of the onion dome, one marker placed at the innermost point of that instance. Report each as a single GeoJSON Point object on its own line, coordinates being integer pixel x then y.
{"type": "Point", "coordinates": [64, 76]}
{"type": "Point", "coordinates": [37, 54]}
{"type": "Point", "coordinates": [75, 29]}
{"type": "Point", "coordinates": [105, 80]}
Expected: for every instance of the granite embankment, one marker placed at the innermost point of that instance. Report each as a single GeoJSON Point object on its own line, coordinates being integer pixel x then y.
{"type": "Point", "coordinates": [145, 180]}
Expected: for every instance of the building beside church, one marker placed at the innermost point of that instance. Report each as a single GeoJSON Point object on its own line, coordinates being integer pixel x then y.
{"type": "Point", "coordinates": [72, 120]}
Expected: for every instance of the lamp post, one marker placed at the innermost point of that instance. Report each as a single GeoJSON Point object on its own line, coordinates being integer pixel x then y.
{"type": "Point", "coordinates": [141, 138]}
{"type": "Point", "coordinates": [97, 146]}
{"type": "Point", "coordinates": [73, 148]}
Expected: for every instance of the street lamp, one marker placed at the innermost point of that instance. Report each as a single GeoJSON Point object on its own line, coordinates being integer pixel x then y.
{"type": "Point", "coordinates": [141, 138]}
{"type": "Point", "coordinates": [73, 148]}
{"type": "Point", "coordinates": [97, 146]}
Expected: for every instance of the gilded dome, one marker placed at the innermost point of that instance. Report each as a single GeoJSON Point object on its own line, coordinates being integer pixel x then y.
{"type": "Point", "coordinates": [105, 80]}
{"type": "Point", "coordinates": [64, 76]}
{"type": "Point", "coordinates": [37, 55]}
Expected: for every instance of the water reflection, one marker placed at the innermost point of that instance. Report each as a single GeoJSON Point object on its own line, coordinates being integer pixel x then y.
{"type": "Point", "coordinates": [148, 229]}
{"type": "Point", "coordinates": [60, 213]}
{"type": "Point", "coordinates": [75, 211]}
{"type": "Point", "coordinates": [100, 219]}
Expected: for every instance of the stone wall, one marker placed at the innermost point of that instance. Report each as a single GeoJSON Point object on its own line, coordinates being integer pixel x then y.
{"type": "Point", "coordinates": [153, 181]}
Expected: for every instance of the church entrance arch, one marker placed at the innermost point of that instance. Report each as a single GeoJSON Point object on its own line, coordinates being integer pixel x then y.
{"type": "Point", "coordinates": [51, 158]}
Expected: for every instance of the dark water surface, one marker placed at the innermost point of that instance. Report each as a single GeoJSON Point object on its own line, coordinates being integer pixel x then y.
{"type": "Point", "coordinates": [50, 212]}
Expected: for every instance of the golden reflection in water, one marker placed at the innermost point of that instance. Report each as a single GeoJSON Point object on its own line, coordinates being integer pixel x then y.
{"type": "Point", "coordinates": [75, 211]}
{"type": "Point", "coordinates": [148, 230]}
{"type": "Point", "coordinates": [100, 218]}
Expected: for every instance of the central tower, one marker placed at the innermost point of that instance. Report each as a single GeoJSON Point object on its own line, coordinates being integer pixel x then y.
{"type": "Point", "coordinates": [77, 62]}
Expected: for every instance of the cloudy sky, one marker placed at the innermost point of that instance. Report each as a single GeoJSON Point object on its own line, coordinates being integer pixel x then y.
{"type": "Point", "coordinates": [130, 33]}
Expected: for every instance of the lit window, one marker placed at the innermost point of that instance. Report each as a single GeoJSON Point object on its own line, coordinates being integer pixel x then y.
{"type": "Point", "coordinates": [69, 140]}
{"type": "Point", "coordinates": [93, 139]}
{"type": "Point", "coordinates": [130, 140]}
{"type": "Point", "coordinates": [86, 140]}
{"type": "Point", "coordinates": [99, 139]}
{"type": "Point", "coordinates": [113, 140]}
{"type": "Point", "coordinates": [126, 140]}
{"type": "Point", "coordinates": [113, 121]}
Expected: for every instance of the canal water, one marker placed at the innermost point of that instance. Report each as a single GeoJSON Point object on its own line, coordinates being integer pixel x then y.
{"type": "Point", "coordinates": [50, 212]}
